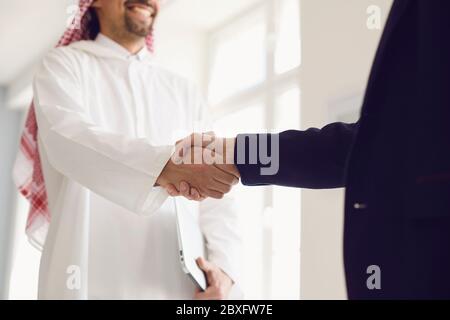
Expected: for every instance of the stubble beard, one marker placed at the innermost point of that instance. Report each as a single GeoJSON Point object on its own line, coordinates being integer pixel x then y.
{"type": "Point", "coordinates": [137, 30]}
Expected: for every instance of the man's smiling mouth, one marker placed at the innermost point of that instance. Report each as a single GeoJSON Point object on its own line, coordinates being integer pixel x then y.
{"type": "Point", "coordinates": [145, 11]}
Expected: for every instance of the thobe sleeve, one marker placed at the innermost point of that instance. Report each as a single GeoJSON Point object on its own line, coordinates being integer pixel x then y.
{"type": "Point", "coordinates": [218, 218]}
{"type": "Point", "coordinates": [120, 168]}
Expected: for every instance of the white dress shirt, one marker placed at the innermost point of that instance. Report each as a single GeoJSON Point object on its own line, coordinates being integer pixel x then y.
{"type": "Point", "coordinates": [107, 123]}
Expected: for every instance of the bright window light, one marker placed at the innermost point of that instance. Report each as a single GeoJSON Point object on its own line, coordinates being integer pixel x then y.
{"type": "Point", "coordinates": [249, 203]}
{"type": "Point", "coordinates": [238, 62]}
{"type": "Point", "coordinates": [285, 212]}
{"type": "Point", "coordinates": [286, 243]}
{"type": "Point", "coordinates": [287, 52]}
{"type": "Point", "coordinates": [238, 122]}
{"type": "Point", "coordinates": [243, 67]}
{"type": "Point", "coordinates": [287, 110]}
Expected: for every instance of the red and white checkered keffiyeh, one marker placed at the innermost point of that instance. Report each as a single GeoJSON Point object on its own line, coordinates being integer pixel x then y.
{"type": "Point", "coordinates": [28, 175]}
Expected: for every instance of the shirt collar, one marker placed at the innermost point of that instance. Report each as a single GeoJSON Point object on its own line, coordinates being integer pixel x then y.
{"type": "Point", "coordinates": [112, 45]}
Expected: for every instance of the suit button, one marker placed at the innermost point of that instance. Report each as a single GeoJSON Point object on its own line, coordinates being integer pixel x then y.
{"type": "Point", "coordinates": [360, 206]}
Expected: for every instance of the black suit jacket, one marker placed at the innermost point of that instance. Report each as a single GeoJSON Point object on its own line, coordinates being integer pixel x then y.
{"type": "Point", "coordinates": [394, 163]}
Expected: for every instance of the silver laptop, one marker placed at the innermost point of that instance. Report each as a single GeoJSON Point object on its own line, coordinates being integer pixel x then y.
{"type": "Point", "coordinates": [191, 243]}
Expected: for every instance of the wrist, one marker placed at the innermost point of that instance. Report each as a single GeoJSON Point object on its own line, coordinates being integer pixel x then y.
{"type": "Point", "coordinates": [163, 179]}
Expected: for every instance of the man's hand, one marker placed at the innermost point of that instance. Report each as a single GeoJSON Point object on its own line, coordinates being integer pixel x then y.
{"type": "Point", "coordinates": [219, 283]}
{"type": "Point", "coordinates": [222, 148]}
{"type": "Point", "coordinates": [189, 165]}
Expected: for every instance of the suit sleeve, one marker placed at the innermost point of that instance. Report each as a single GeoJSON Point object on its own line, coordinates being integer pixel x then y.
{"type": "Point", "coordinates": [314, 159]}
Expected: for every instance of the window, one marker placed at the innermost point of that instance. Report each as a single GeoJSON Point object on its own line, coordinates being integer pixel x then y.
{"type": "Point", "coordinates": [247, 61]}
{"type": "Point", "coordinates": [287, 52]}
{"type": "Point", "coordinates": [255, 63]}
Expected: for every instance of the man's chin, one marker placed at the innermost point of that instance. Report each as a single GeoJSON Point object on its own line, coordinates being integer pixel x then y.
{"type": "Point", "coordinates": [139, 28]}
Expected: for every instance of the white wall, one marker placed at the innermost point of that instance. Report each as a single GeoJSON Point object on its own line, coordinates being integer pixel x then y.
{"type": "Point", "coordinates": [338, 50]}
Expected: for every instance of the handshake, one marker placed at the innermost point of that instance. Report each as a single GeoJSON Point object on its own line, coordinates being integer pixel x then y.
{"type": "Point", "coordinates": [201, 167]}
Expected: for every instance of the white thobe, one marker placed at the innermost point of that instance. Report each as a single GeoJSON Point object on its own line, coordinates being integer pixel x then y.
{"type": "Point", "coordinates": [107, 123]}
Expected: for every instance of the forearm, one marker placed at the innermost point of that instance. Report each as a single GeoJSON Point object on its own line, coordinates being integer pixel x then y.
{"type": "Point", "coordinates": [121, 169]}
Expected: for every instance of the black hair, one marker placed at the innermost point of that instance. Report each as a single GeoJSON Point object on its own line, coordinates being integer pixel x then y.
{"type": "Point", "coordinates": [93, 24]}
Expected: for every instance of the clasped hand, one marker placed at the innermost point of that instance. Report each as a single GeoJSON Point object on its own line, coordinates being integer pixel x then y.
{"type": "Point", "coordinates": [201, 167]}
